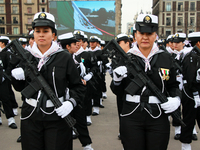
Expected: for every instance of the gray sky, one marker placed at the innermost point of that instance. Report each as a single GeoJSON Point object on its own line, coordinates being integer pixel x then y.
{"type": "Point", "coordinates": [130, 8]}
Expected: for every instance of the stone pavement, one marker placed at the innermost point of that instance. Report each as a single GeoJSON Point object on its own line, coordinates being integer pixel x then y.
{"type": "Point", "coordinates": [103, 131]}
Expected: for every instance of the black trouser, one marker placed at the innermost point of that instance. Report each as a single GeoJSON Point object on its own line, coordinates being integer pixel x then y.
{"type": "Point", "coordinates": [88, 100]}
{"type": "Point", "coordinates": [5, 99]}
{"type": "Point", "coordinates": [81, 126]}
{"type": "Point", "coordinates": [97, 93]}
{"type": "Point", "coordinates": [176, 122]}
{"type": "Point", "coordinates": [12, 98]}
{"type": "Point", "coordinates": [189, 115]}
{"type": "Point", "coordinates": [45, 135]}
{"type": "Point", "coordinates": [139, 131]}
{"type": "Point", "coordinates": [103, 83]}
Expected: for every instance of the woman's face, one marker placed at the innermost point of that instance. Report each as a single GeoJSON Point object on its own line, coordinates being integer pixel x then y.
{"type": "Point", "coordinates": [43, 37]}
{"type": "Point", "coordinates": [145, 40]}
{"type": "Point", "coordinates": [2, 45]}
{"type": "Point", "coordinates": [31, 41]}
{"type": "Point", "coordinates": [79, 44]}
{"type": "Point", "coordinates": [178, 46]}
{"type": "Point", "coordinates": [73, 48]}
{"type": "Point", "coordinates": [85, 44]}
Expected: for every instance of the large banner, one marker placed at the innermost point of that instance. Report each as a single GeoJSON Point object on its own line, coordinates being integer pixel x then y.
{"type": "Point", "coordinates": [92, 17]}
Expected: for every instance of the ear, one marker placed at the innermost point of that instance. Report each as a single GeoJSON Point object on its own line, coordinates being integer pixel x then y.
{"type": "Point", "coordinates": [198, 43]}
{"type": "Point", "coordinates": [68, 47]}
{"type": "Point", "coordinates": [53, 36]}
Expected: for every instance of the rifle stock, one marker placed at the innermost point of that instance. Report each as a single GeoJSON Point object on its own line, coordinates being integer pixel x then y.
{"type": "Point", "coordinates": [36, 81]}
{"type": "Point", "coordinates": [141, 77]}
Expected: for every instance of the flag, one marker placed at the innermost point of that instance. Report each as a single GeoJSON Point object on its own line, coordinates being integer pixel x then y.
{"type": "Point", "coordinates": [82, 23]}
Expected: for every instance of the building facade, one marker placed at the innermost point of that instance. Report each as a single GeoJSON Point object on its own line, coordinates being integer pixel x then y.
{"type": "Point", "coordinates": [177, 16]}
{"type": "Point", "coordinates": [16, 16]}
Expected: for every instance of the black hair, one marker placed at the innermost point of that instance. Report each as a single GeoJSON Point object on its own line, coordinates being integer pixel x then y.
{"type": "Point", "coordinates": [125, 41]}
{"type": "Point", "coordinates": [193, 43]}
{"type": "Point", "coordinates": [4, 41]}
{"type": "Point", "coordinates": [65, 44]}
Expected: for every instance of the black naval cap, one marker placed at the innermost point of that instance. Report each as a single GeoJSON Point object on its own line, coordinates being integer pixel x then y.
{"type": "Point", "coordinates": [147, 23]}
{"type": "Point", "coordinates": [85, 39]}
{"type": "Point", "coordinates": [179, 37]}
{"type": "Point", "coordinates": [169, 38]}
{"type": "Point", "coordinates": [79, 34]}
{"type": "Point", "coordinates": [194, 36]}
{"type": "Point", "coordinates": [67, 38]}
{"type": "Point", "coordinates": [121, 37]}
{"type": "Point", "coordinates": [160, 41]}
{"type": "Point", "coordinates": [130, 37]}
{"type": "Point", "coordinates": [30, 35]}
{"type": "Point", "coordinates": [94, 39]}
{"type": "Point", "coordinates": [43, 19]}
{"type": "Point", "coordinates": [4, 38]}
{"type": "Point", "coordinates": [23, 40]}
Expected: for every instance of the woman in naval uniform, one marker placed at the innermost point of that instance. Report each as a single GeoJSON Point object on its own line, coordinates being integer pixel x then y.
{"type": "Point", "coordinates": [190, 93]}
{"type": "Point", "coordinates": [42, 126]}
{"type": "Point", "coordinates": [144, 120]}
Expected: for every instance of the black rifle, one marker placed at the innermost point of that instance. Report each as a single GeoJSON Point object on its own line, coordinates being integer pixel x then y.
{"type": "Point", "coordinates": [36, 81]}
{"type": "Point", "coordinates": [140, 77]}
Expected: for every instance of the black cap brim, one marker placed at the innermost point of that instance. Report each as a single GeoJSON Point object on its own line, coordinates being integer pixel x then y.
{"type": "Point", "coordinates": [41, 23]}
{"type": "Point", "coordinates": [146, 28]}
{"type": "Point", "coordinates": [78, 36]}
{"type": "Point", "coordinates": [178, 40]}
{"type": "Point", "coordinates": [93, 40]}
{"type": "Point", "coordinates": [122, 38]}
{"type": "Point", "coordinates": [68, 41]}
{"type": "Point", "coordinates": [194, 39]}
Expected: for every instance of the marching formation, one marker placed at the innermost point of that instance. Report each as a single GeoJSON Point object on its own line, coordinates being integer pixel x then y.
{"type": "Point", "coordinates": [62, 83]}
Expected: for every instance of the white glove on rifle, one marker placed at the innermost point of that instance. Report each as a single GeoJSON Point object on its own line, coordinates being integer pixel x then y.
{"type": "Point", "coordinates": [198, 75]}
{"type": "Point", "coordinates": [65, 109]}
{"type": "Point", "coordinates": [109, 68]}
{"type": "Point", "coordinates": [18, 74]}
{"type": "Point", "coordinates": [171, 105]}
{"type": "Point", "coordinates": [197, 101]}
{"type": "Point", "coordinates": [88, 76]}
{"type": "Point", "coordinates": [119, 73]}
{"type": "Point", "coordinates": [99, 63]}
{"type": "Point", "coordinates": [108, 65]}
{"type": "Point", "coordinates": [82, 67]}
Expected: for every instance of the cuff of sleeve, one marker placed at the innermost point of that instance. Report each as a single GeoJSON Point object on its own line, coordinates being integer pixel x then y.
{"type": "Point", "coordinates": [195, 93]}
{"type": "Point", "coordinates": [73, 102]}
{"type": "Point", "coordinates": [117, 83]}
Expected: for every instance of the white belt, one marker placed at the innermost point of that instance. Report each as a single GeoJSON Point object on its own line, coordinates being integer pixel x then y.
{"type": "Point", "coordinates": [33, 102]}
{"type": "Point", "coordinates": [136, 99]}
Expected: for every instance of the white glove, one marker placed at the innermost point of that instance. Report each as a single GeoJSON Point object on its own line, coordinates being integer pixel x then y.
{"type": "Point", "coordinates": [18, 74]}
{"type": "Point", "coordinates": [198, 75]}
{"type": "Point", "coordinates": [82, 67]}
{"type": "Point", "coordinates": [108, 65]}
{"type": "Point", "coordinates": [109, 68]}
{"type": "Point", "coordinates": [88, 76]}
{"type": "Point", "coordinates": [197, 101]}
{"type": "Point", "coordinates": [99, 63]}
{"type": "Point", "coordinates": [179, 78]}
{"type": "Point", "coordinates": [119, 73]}
{"type": "Point", "coordinates": [65, 109]}
{"type": "Point", "coordinates": [171, 105]}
